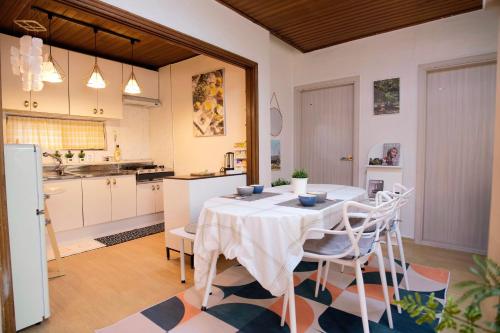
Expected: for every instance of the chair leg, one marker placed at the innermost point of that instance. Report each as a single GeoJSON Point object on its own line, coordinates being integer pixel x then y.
{"type": "Point", "coordinates": [402, 255]}
{"type": "Point", "coordinates": [183, 262]}
{"type": "Point", "coordinates": [291, 301]}
{"type": "Point", "coordinates": [210, 279]}
{"type": "Point", "coordinates": [318, 278]}
{"type": "Point", "coordinates": [390, 253]}
{"type": "Point", "coordinates": [283, 310]}
{"type": "Point", "coordinates": [383, 280]}
{"type": "Point", "coordinates": [342, 269]}
{"type": "Point", "coordinates": [325, 275]}
{"type": "Point", "coordinates": [362, 297]}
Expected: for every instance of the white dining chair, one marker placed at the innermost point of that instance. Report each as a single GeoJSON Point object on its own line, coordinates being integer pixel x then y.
{"type": "Point", "coordinates": [352, 246]}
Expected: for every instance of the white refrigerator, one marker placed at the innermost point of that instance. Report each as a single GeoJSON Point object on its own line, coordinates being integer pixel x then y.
{"type": "Point", "coordinates": [25, 208]}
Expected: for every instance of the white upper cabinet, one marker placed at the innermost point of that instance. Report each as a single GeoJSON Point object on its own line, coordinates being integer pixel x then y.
{"type": "Point", "coordinates": [90, 102]}
{"type": "Point", "coordinates": [54, 96]}
{"type": "Point", "coordinates": [109, 99]}
{"type": "Point", "coordinates": [147, 80]}
{"type": "Point", "coordinates": [13, 96]}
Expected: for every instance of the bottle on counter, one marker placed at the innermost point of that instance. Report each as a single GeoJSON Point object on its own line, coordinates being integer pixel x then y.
{"type": "Point", "coordinates": [118, 154]}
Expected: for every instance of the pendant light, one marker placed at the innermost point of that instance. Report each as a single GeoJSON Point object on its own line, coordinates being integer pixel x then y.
{"type": "Point", "coordinates": [51, 71]}
{"type": "Point", "coordinates": [96, 80]}
{"type": "Point", "coordinates": [132, 86]}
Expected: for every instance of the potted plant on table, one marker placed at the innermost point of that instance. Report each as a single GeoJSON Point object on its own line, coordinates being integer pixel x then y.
{"type": "Point", "coordinates": [299, 181]}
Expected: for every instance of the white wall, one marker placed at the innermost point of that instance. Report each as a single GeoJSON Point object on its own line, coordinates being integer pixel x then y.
{"type": "Point", "coordinates": [218, 25]}
{"type": "Point", "coordinates": [172, 137]}
{"type": "Point", "coordinates": [397, 54]}
{"type": "Point", "coordinates": [281, 56]}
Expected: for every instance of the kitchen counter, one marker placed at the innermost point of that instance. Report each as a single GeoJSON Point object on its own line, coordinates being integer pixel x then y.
{"type": "Point", "coordinates": [189, 177]}
{"type": "Point", "coordinates": [76, 175]}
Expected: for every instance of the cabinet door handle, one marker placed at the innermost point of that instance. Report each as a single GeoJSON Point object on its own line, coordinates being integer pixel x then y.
{"type": "Point", "coordinates": [108, 181]}
{"type": "Point", "coordinates": [35, 104]}
{"type": "Point", "coordinates": [153, 187]}
{"type": "Point", "coordinates": [26, 104]}
{"type": "Point", "coordinates": [95, 111]}
{"type": "Point", "coordinates": [102, 111]}
{"type": "Point", "coordinates": [114, 181]}
{"type": "Point", "coordinates": [158, 187]}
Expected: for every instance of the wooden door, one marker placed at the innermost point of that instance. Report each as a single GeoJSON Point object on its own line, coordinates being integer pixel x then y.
{"type": "Point", "coordinates": [123, 197]}
{"type": "Point", "coordinates": [146, 198]}
{"type": "Point", "coordinates": [459, 154]}
{"type": "Point", "coordinates": [326, 142]}
{"type": "Point", "coordinates": [96, 200]}
{"type": "Point", "coordinates": [54, 96]}
{"type": "Point", "coordinates": [83, 100]}
{"type": "Point", "coordinates": [109, 99]}
{"type": "Point", "coordinates": [66, 208]}
{"type": "Point", "coordinates": [13, 96]}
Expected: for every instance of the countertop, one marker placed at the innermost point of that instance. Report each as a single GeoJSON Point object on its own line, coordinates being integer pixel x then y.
{"type": "Point", "coordinates": [88, 175]}
{"type": "Point", "coordinates": [188, 177]}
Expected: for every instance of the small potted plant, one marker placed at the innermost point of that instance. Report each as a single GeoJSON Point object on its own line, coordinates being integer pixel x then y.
{"type": "Point", "coordinates": [81, 156]}
{"type": "Point", "coordinates": [69, 156]}
{"type": "Point", "coordinates": [299, 181]}
{"type": "Point", "coordinates": [57, 154]}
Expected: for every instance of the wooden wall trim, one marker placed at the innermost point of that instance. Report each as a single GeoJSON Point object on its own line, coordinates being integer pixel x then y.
{"type": "Point", "coordinates": [6, 292]}
{"type": "Point", "coordinates": [252, 124]}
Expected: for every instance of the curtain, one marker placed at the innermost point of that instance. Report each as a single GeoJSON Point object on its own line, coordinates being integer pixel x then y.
{"type": "Point", "coordinates": [52, 134]}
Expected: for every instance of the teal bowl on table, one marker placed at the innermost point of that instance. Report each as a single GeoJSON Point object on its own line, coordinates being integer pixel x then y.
{"type": "Point", "coordinates": [307, 200]}
{"type": "Point", "coordinates": [257, 189]}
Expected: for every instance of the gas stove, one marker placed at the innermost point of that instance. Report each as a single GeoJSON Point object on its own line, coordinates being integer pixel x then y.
{"type": "Point", "coordinates": [150, 172]}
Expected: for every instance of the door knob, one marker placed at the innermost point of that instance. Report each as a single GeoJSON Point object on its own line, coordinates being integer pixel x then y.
{"type": "Point", "coordinates": [108, 181]}
{"type": "Point", "coordinates": [102, 111]}
{"type": "Point", "coordinates": [346, 158]}
{"type": "Point", "coordinates": [35, 104]}
{"type": "Point", "coordinates": [158, 187]}
{"type": "Point", "coordinates": [95, 111]}
{"type": "Point", "coordinates": [153, 187]}
{"type": "Point", "coordinates": [26, 104]}
{"type": "Point", "coordinates": [114, 181]}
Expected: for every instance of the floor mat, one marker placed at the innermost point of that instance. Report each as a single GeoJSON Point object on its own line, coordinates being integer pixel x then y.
{"type": "Point", "coordinates": [239, 304]}
{"type": "Point", "coordinates": [131, 234]}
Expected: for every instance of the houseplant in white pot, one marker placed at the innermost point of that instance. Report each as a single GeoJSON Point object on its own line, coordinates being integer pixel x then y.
{"type": "Point", "coordinates": [299, 181]}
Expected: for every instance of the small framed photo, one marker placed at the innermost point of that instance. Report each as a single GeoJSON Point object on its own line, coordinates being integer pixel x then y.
{"type": "Point", "coordinates": [386, 96]}
{"type": "Point", "coordinates": [374, 186]}
{"type": "Point", "coordinates": [392, 152]}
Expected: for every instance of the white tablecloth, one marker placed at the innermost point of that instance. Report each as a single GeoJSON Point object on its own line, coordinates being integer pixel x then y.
{"type": "Point", "coordinates": [263, 236]}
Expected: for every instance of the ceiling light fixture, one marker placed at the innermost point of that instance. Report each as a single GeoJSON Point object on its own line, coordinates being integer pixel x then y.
{"type": "Point", "coordinates": [96, 79]}
{"type": "Point", "coordinates": [132, 86]}
{"type": "Point", "coordinates": [51, 71]}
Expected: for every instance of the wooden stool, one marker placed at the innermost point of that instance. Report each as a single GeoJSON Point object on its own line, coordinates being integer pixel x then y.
{"type": "Point", "coordinates": [50, 231]}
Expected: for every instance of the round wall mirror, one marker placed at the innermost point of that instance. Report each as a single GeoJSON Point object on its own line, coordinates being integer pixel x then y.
{"type": "Point", "coordinates": [276, 121]}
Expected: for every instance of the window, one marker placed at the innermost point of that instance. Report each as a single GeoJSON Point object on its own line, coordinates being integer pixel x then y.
{"type": "Point", "coordinates": [52, 134]}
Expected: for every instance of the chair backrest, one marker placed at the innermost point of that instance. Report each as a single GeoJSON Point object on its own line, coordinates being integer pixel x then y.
{"type": "Point", "coordinates": [399, 191]}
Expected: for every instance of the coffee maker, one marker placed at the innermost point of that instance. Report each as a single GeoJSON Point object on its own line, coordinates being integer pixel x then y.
{"type": "Point", "coordinates": [228, 161]}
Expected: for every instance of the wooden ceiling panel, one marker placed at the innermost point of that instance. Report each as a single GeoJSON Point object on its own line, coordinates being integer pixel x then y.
{"type": "Point", "coordinates": [309, 25]}
{"type": "Point", "coordinates": [151, 52]}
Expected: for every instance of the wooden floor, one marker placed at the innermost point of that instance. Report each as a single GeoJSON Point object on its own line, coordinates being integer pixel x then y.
{"type": "Point", "coordinates": [105, 285]}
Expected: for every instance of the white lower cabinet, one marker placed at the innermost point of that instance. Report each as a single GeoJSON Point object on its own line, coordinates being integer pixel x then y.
{"type": "Point", "coordinates": [96, 200]}
{"type": "Point", "coordinates": [123, 197]}
{"type": "Point", "coordinates": [65, 209]}
{"type": "Point", "coordinates": [149, 198]}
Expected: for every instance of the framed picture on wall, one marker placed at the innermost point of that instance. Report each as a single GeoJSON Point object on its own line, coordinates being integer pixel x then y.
{"type": "Point", "coordinates": [275, 154]}
{"type": "Point", "coordinates": [392, 152]}
{"type": "Point", "coordinates": [374, 186]}
{"type": "Point", "coordinates": [208, 104]}
{"type": "Point", "coordinates": [386, 96]}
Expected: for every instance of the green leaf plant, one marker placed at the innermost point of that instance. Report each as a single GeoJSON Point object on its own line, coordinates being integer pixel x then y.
{"type": "Point", "coordinates": [466, 319]}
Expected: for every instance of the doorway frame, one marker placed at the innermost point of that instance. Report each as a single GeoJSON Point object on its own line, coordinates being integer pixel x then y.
{"type": "Point", "coordinates": [423, 71]}
{"type": "Point", "coordinates": [136, 22]}
{"type": "Point", "coordinates": [298, 90]}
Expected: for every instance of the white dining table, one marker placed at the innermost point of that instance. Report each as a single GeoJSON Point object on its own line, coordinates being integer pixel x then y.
{"type": "Point", "coordinates": [264, 235]}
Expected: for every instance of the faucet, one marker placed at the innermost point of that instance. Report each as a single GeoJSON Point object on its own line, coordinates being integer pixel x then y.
{"type": "Point", "coordinates": [60, 167]}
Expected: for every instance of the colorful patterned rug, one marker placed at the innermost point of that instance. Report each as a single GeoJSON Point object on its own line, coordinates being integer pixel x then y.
{"type": "Point", "coordinates": [240, 304]}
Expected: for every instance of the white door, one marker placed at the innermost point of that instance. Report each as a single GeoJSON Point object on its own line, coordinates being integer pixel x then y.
{"type": "Point", "coordinates": [13, 96]}
{"type": "Point", "coordinates": [54, 96]}
{"type": "Point", "coordinates": [159, 197]}
{"type": "Point", "coordinates": [123, 197]}
{"type": "Point", "coordinates": [459, 154]}
{"type": "Point", "coordinates": [66, 208]}
{"type": "Point", "coordinates": [83, 100]}
{"type": "Point", "coordinates": [109, 99]}
{"type": "Point", "coordinates": [326, 138]}
{"type": "Point", "coordinates": [96, 200]}
{"type": "Point", "coordinates": [146, 198]}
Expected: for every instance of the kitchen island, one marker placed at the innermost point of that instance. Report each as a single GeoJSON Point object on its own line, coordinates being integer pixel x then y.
{"type": "Point", "coordinates": [185, 197]}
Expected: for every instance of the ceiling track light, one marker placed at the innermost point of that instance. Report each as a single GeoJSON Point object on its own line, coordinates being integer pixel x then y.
{"type": "Point", "coordinates": [132, 87]}
{"type": "Point", "coordinates": [96, 79]}
{"type": "Point", "coordinates": [51, 71]}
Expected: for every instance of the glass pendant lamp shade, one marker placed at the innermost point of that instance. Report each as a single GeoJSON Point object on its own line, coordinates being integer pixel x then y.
{"type": "Point", "coordinates": [96, 80]}
{"type": "Point", "coordinates": [132, 86]}
{"type": "Point", "coordinates": [51, 71]}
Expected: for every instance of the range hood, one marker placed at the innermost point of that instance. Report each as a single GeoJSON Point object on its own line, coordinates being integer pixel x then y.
{"type": "Point", "coordinates": [147, 103]}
